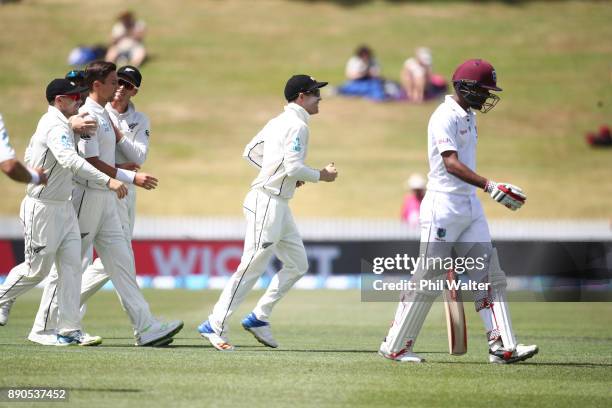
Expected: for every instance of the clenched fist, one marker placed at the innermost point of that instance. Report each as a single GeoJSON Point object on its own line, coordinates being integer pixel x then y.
{"type": "Point", "coordinates": [329, 173]}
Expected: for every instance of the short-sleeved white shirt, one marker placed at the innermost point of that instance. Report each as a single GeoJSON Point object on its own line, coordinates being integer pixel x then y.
{"type": "Point", "coordinates": [6, 150]}
{"type": "Point", "coordinates": [451, 128]}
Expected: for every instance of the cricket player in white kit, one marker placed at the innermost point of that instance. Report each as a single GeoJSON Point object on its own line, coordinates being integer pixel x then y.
{"type": "Point", "coordinates": [452, 219]}
{"type": "Point", "coordinates": [130, 153]}
{"type": "Point", "coordinates": [18, 172]}
{"type": "Point", "coordinates": [278, 151]}
{"type": "Point", "coordinates": [99, 221]}
{"type": "Point", "coordinates": [50, 223]}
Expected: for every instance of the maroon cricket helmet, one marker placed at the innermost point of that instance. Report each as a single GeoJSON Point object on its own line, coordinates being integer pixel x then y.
{"type": "Point", "coordinates": [479, 71]}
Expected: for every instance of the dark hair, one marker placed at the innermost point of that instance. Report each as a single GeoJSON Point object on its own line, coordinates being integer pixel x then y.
{"type": "Point", "coordinates": [363, 50]}
{"type": "Point", "coordinates": [98, 71]}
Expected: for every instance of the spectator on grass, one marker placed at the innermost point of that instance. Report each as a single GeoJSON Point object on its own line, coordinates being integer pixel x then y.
{"type": "Point", "coordinates": [362, 65]}
{"type": "Point", "coordinates": [363, 76]}
{"type": "Point", "coordinates": [418, 80]}
{"type": "Point", "coordinates": [415, 191]}
{"type": "Point", "coordinates": [127, 40]}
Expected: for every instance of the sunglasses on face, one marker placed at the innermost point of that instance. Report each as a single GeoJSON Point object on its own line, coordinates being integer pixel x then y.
{"type": "Point", "coordinates": [126, 84]}
{"type": "Point", "coordinates": [315, 92]}
{"type": "Point", "coordinates": [74, 97]}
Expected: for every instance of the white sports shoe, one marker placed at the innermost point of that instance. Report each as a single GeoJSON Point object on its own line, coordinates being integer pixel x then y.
{"type": "Point", "coordinates": [520, 353]}
{"type": "Point", "coordinates": [260, 329]}
{"type": "Point", "coordinates": [218, 342]}
{"type": "Point", "coordinates": [5, 310]}
{"type": "Point", "coordinates": [405, 355]}
{"type": "Point", "coordinates": [78, 338]}
{"type": "Point", "coordinates": [158, 333]}
{"type": "Point", "coordinates": [45, 338]}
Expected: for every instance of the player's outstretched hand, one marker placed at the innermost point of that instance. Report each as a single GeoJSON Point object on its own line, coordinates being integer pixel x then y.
{"type": "Point", "coordinates": [145, 181]}
{"type": "Point", "coordinates": [329, 173]}
{"type": "Point", "coordinates": [128, 166]}
{"type": "Point", "coordinates": [118, 187]}
{"type": "Point", "coordinates": [83, 123]}
{"type": "Point", "coordinates": [506, 194]}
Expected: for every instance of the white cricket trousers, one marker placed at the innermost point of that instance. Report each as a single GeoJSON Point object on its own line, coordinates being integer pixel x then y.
{"type": "Point", "coordinates": [448, 222]}
{"type": "Point", "coordinates": [51, 240]}
{"type": "Point", "coordinates": [96, 275]}
{"type": "Point", "coordinates": [99, 225]}
{"type": "Point", "coordinates": [271, 229]}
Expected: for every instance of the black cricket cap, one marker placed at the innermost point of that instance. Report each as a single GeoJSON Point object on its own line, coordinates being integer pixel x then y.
{"type": "Point", "coordinates": [301, 83]}
{"type": "Point", "coordinates": [63, 86]}
{"type": "Point", "coordinates": [130, 74]}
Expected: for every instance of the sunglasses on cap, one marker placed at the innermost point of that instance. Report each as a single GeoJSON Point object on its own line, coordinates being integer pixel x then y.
{"type": "Point", "coordinates": [76, 75]}
{"type": "Point", "coordinates": [74, 97]}
{"type": "Point", "coordinates": [126, 84]}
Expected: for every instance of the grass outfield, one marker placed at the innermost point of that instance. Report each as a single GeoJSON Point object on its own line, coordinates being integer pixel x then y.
{"type": "Point", "coordinates": [218, 70]}
{"type": "Point", "coordinates": [327, 358]}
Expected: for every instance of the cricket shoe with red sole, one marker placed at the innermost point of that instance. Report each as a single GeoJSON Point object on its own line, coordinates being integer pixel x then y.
{"type": "Point", "coordinates": [158, 334]}
{"type": "Point", "coordinates": [260, 329]}
{"type": "Point", "coordinates": [218, 342]}
{"type": "Point", "coordinates": [520, 353]}
{"type": "Point", "coordinates": [405, 355]}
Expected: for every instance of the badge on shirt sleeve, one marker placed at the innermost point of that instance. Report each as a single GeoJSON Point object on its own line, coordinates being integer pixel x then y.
{"type": "Point", "coordinates": [65, 141]}
{"type": "Point", "coordinates": [296, 146]}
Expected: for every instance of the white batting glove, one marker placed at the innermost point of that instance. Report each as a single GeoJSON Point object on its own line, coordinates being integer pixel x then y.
{"type": "Point", "coordinates": [506, 194]}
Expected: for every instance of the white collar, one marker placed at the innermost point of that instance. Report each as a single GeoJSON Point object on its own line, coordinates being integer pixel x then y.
{"type": "Point", "coordinates": [298, 110]}
{"type": "Point", "coordinates": [130, 109]}
{"type": "Point", "coordinates": [56, 112]}
{"type": "Point", "coordinates": [452, 103]}
{"type": "Point", "coordinates": [93, 105]}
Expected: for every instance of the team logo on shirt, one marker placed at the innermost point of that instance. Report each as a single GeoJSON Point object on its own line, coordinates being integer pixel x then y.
{"type": "Point", "coordinates": [105, 125]}
{"type": "Point", "coordinates": [440, 234]}
{"type": "Point", "coordinates": [132, 125]}
{"type": "Point", "coordinates": [65, 141]}
{"type": "Point", "coordinates": [296, 146]}
{"type": "Point", "coordinates": [5, 139]}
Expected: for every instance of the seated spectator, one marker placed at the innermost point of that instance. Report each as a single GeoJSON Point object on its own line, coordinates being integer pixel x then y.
{"type": "Point", "coordinates": [411, 206]}
{"type": "Point", "coordinates": [603, 138]}
{"type": "Point", "coordinates": [363, 74]}
{"type": "Point", "coordinates": [82, 55]}
{"type": "Point", "coordinates": [418, 80]}
{"type": "Point", "coordinates": [127, 38]}
{"type": "Point", "coordinates": [362, 65]}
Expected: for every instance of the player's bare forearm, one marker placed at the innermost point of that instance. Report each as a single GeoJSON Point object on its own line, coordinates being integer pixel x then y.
{"type": "Point", "coordinates": [105, 168]}
{"type": "Point", "coordinates": [15, 170]}
{"type": "Point", "coordinates": [455, 167]}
